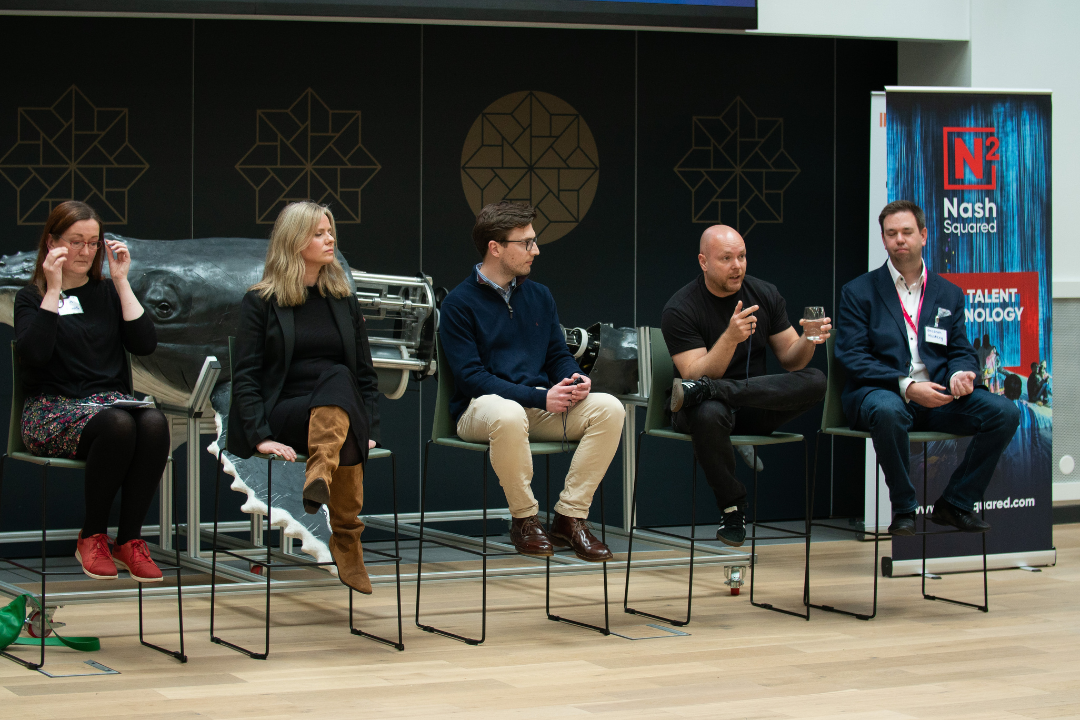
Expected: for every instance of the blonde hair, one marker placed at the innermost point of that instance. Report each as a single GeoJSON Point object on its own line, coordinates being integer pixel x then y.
{"type": "Point", "coordinates": [283, 275]}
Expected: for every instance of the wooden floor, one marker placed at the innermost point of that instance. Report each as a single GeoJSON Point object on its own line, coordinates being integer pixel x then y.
{"type": "Point", "coordinates": [918, 659]}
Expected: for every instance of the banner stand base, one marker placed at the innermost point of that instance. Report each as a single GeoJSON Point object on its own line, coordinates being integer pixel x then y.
{"type": "Point", "coordinates": [968, 563]}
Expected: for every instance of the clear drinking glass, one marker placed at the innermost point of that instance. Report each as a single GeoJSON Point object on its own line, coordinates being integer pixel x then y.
{"type": "Point", "coordinates": [815, 318]}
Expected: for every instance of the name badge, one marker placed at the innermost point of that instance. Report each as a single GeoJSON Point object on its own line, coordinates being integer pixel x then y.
{"type": "Point", "coordinates": [70, 306]}
{"type": "Point", "coordinates": [938, 336]}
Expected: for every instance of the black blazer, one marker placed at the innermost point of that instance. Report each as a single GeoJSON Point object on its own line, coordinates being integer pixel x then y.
{"type": "Point", "coordinates": [264, 352]}
{"type": "Point", "coordinates": [872, 341]}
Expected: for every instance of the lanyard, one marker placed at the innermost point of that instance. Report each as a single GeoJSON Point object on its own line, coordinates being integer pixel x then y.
{"type": "Point", "coordinates": [922, 296]}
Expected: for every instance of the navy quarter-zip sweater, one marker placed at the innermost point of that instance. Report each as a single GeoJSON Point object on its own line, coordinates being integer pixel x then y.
{"type": "Point", "coordinates": [509, 349]}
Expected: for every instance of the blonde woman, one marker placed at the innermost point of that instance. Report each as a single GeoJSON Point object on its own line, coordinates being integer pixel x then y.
{"type": "Point", "coordinates": [303, 377]}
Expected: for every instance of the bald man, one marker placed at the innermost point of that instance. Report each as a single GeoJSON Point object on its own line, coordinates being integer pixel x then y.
{"type": "Point", "coordinates": [716, 329]}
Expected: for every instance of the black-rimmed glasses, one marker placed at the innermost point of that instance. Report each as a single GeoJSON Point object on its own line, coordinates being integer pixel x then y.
{"type": "Point", "coordinates": [527, 243]}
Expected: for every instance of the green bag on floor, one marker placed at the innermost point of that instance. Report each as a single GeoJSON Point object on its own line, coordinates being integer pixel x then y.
{"type": "Point", "coordinates": [13, 617]}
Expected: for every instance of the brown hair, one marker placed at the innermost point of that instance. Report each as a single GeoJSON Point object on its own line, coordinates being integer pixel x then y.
{"type": "Point", "coordinates": [899, 206]}
{"type": "Point", "coordinates": [60, 219]}
{"type": "Point", "coordinates": [283, 274]}
{"type": "Point", "coordinates": [496, 220]}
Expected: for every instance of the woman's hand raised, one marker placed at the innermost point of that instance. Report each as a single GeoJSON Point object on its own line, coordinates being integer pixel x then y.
{"type": "Point", "coordinates": [269, 447]}
{"type": "Point", "coordinates": [53, 265]}
{"type": "Point", "coordinates": [119, 260]}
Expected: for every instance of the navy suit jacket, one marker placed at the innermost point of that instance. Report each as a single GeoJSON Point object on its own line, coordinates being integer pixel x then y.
{"type": "Point", "coordinates": [872, 343]}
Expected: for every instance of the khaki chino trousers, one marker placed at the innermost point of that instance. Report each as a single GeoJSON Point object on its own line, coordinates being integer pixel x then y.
{"type": "Point", "coordinates": [595, 423]}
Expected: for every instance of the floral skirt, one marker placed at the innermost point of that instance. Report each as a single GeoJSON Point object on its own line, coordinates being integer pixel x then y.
{"type": "Point", "coordinates": [53, 424]}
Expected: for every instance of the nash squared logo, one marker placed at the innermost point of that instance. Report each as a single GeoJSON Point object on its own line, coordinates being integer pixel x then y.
{"type": "Point", "coordinates": [966, 165]}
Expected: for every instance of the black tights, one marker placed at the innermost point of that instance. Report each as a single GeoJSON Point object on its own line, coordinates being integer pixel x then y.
{"type": "Point", "coordinates": [123, 449]}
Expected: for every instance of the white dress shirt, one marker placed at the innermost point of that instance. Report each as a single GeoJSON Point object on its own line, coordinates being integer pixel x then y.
{"type": "Point", "coordinates": [910, 297]}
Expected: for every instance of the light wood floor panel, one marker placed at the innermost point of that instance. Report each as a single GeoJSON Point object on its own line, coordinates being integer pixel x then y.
{"type": "Point", "coordinates": [917, 660]}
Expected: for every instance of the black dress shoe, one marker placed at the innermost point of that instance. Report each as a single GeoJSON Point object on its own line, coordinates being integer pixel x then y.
{"type": "Point", "coordinates": [903, 524]}
{"type": "Point", "coordinates": [688, 393]}
{"type": "Point", "coordinates": [945, 513]}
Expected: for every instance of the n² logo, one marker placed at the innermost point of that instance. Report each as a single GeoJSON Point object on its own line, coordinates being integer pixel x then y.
{"type": "Point", "coordinates": [966, 165]}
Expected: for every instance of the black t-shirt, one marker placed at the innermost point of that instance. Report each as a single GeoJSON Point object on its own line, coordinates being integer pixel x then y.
{"type": "Point", "coordinates": [318, 345]}
{"type": "Point", "coordinates": [78, 355]}
{"type": "Point", "coordinates": [695, 318]}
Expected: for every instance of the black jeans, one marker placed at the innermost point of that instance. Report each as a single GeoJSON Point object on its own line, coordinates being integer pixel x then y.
{"type": "Point", "coordinates": [755, 407]}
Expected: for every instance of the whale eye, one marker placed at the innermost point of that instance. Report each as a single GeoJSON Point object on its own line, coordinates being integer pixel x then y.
{"type": "Point", "coordinates": [163, 295]}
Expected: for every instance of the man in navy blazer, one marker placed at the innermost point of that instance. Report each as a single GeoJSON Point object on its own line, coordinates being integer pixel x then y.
{"type": "Point", "coordinates": [902, 341]}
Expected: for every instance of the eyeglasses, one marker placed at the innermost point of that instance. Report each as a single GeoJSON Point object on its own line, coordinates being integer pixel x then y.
{"type": "Point", "coordinates": [77, 245]}
{"type": "Point", "coordinates": [527, 243]}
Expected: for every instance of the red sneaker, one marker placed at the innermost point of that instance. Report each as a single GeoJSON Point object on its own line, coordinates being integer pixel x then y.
{"type": "Point", "coordinates": [134, 557]}
{"type": "Point", "coordinates": [93, 553]}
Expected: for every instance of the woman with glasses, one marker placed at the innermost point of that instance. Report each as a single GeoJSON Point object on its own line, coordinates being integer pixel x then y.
{"type": "Point", "coordinates": [73, 331]}
{"type": "Point", "coordinates": [303, 378]}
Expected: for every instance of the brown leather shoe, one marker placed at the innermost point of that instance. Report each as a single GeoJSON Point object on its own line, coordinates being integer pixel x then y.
{"type": "Point", "coordinates": [529, 538]}
{"type": "Point", "coordinates": [574, 532]}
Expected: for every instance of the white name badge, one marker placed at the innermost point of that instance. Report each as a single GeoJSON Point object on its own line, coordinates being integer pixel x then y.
{"type": "Point", "coordinates": [70, 306]}
{"type": "Point", "coordinates": [938, 336]}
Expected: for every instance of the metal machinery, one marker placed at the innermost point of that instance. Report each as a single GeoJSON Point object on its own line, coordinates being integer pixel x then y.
{"type": "Point", "coordinates": [401, 319]}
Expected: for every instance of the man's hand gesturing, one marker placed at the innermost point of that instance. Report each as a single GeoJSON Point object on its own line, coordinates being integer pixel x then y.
{"type": "Point", "coordinates": [742, 323]}
{"type": "Point", "coordinates": [962, 383]}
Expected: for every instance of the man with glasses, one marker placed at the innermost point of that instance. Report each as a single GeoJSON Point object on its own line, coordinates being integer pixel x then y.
{"type": "Point", "coordinates": [516, 381]}
{"type": "Point", "coordinates": [717, 329]}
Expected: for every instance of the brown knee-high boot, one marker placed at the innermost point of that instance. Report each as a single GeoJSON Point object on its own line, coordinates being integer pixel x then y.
{"type": "Point", "coordinates": [346, 502]}
{"type": "Point", "coordinates": [327, 429]}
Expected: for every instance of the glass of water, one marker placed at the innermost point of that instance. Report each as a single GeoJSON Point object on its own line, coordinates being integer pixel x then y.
{"type": "Point", "coordinates": [815, 318]}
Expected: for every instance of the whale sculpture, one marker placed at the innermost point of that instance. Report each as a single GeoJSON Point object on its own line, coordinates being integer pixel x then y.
{"type": "Point", "coordinates": [192, 289]}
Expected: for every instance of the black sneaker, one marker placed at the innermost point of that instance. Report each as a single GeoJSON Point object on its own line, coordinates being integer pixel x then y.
{"type": "Point", "coordinates": [688, 393]}
{"type": "Point", "coordinates": [903, 524]}
{"type": "Point", "coordinates": [732, 530]}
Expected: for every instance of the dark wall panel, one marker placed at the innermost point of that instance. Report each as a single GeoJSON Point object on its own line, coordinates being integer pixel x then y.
{"type": "Point", "coordinates": [736, 131]}
{"type": "Point", "coordinates": [208, 126]}
{"type": "Point", "coordinates": [110, 98]}
{"type": "Point", "coordinates": [292, 111]}
{"type": "Point", "coordinates": [588, 80]}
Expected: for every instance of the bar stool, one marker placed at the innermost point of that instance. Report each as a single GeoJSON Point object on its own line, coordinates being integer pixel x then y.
{"type": "Point", "coordinates": [277, 559]}
{"type": "Point", "coordinates": [656, 425]}
{"type": "Point", "coordinates": [16, 450]}
{"type": "Point", "coordinates": [834, 423]}
{"type": "Point", "coordinates": [443, 434]}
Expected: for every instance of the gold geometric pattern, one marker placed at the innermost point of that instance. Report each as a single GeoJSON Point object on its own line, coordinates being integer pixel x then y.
{"type": "Point", "coordinates": [737, 169]}
{"type": "Point", "coordinates": [532, 146]}
{"type": "Point", "coordinates": [308, 152]}
{"type": "Point", "coordinates": [72, 150]}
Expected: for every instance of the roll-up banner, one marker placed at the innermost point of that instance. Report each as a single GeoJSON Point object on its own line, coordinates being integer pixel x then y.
{"type": "Point", "coordinates": [978, 163]}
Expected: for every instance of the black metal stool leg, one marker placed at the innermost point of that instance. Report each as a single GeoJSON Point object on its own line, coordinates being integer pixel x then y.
{"type": "Point", "coordinates": [483, 557]}
{"type": "Point", "coordinates": [985, 607]}
{"type": "Point", "coordinates": [877, 543]}
{"type": "Point", "coordinates": [3, 653]}
{"type": "Point", "coordinates": [633, 523]}
{"type": "Point", "coordinates": [606, 629]}
{"type": "Point", "coordinates": [399, 644]}
{"type": "Point", "coordinates": [693, 542]}
{"type": "Point", "coordinates": [265, 566]}
{"type": "Point", "coordinates": [178, 654]}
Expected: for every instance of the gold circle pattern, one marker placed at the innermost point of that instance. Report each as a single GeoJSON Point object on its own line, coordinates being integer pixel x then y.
{"type": "Point", "coordinates": [533, 147]}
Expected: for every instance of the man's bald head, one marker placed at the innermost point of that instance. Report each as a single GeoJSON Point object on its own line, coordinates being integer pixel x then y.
{"type": "Point", "coordinates": [717, 233]}
{"type": "Point", "coordinates": [722, 256]}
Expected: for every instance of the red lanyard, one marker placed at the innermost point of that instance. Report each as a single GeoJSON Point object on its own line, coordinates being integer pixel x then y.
{"type": "Point", "coordinates": [922, 296]}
